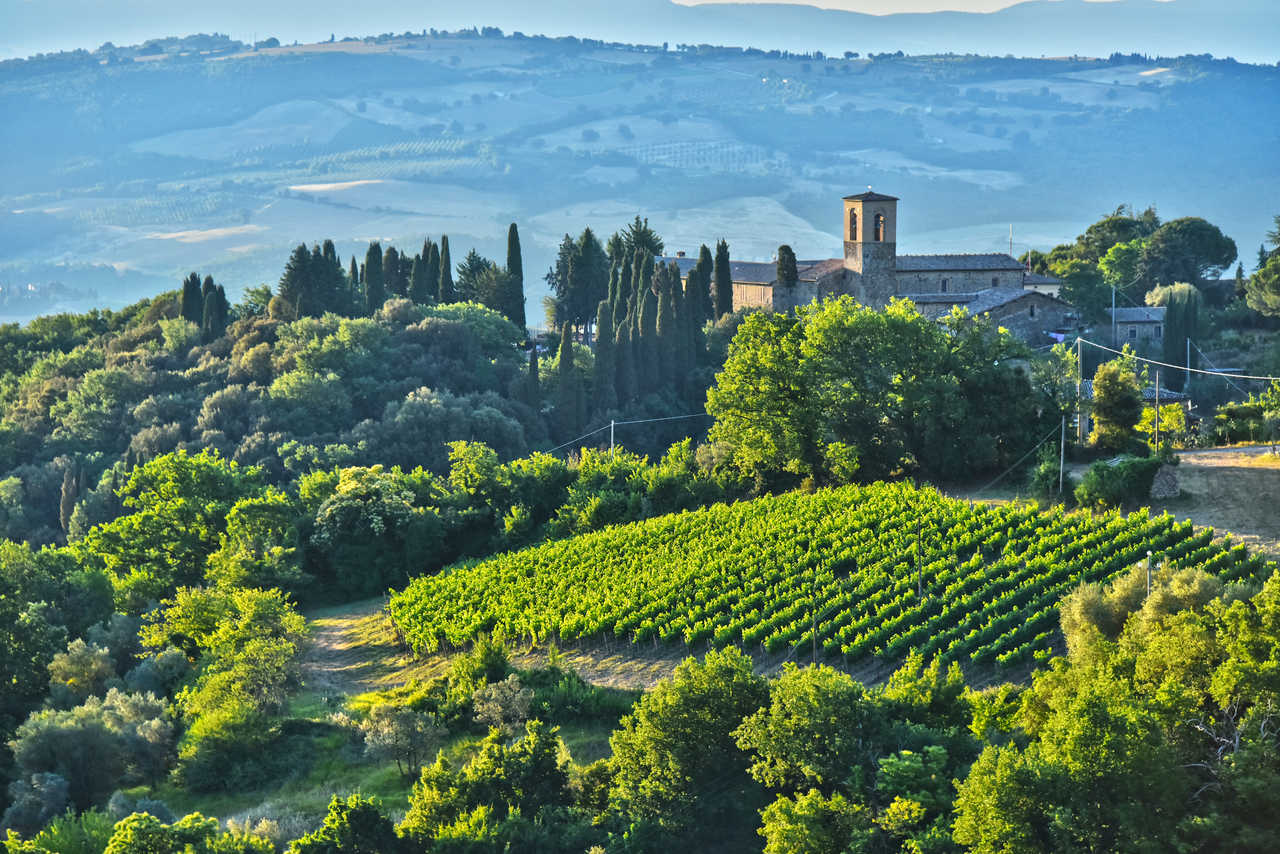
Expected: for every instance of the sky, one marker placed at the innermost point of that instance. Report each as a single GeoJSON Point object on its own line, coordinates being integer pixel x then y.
{"type": "Point", "coordinates": [886, 7]}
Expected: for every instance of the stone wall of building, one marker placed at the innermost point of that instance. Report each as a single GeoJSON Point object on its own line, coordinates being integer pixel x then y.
{"type": "Point", "coordinates": [963, 282]}
{"type": "Point", "coordinates": [752, 296]}
{"type": "Point", "coordinates": [1031, 317]}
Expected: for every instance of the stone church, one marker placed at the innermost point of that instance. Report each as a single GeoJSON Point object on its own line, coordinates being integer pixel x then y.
{"type": "Point", "coordinates": [873, 273]}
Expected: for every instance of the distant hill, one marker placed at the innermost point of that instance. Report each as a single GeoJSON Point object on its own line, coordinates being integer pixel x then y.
{"type": "Point", "coordinates": [1244, 29]}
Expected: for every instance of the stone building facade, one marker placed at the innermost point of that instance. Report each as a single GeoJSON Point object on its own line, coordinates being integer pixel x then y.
{"type": "Point", "coordinates": [873, 273]}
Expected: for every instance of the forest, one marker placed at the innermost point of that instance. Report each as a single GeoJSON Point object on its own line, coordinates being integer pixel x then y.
{"type": "Point", "coordinates": [188, 480]}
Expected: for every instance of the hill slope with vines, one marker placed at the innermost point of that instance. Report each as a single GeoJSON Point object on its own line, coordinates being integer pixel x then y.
{"type": "Point", "coordinates": [875, 571]}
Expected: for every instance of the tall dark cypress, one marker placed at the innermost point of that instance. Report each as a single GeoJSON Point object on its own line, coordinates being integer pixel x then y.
{"type": "Point", "coordinates": [418, 280]}
{"type": "Point", "coordinates": [375, 292]}
{"type": "Point", "coordinates": [515, 286]}
{"type": "Point", "coordinates": [432, 260]}
{"type": "Point", "coordinates": [666, 342]}
{"type": "Point", "coordinates": [532, 389]}
{"type": "Point", "coordinates": [722, 277]}
{"type": "Point", "coordinates": [605, 393]}
{"type": "Point", "coordinates": [446, 293]}
{"type": "Point", "coordinates": [567, 387]}
{"type": "Point", "coordinates": [702, 294]}
{"type": "Point", "coordinates": [192, 302]}
{"type": "Point", "coordinates": [213, 323]}
{"type": "Point", "coordinates": [625, 356]}
{"type": "Point", "coordinates": [355, 296]}
{"type": "Point", "coordinates": [623, 298]}
{"type": "Point", "coordinates": [648, 359]}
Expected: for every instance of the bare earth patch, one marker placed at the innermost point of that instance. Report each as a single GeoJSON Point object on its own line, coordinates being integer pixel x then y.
{"type": "Point", "coordinates": [1231, 491]}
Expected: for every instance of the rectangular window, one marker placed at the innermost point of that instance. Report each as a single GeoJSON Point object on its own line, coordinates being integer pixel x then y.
{"type": "Point", "coordinates": [944, 286]}
{"type": "Point", "coordinates": [1158, 333]}
{"type": "Point", "coordinates": [1133, 332]}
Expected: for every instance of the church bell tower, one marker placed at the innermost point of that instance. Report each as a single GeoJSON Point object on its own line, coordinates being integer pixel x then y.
{"type": "Point", "coordinates": [871, 246]}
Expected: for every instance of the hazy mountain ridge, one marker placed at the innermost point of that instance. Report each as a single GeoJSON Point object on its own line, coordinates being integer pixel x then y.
{"type": "Point", "coordinates": [125, 170]}
{"type": "Point", "coordinates": [1239, 28]}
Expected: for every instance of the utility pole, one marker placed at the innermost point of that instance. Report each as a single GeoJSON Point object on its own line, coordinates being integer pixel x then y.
{"type": "Point", "coordinates": [1148, 575]}
{"type": "Point", "coordinates": [611, 423]}
{"type": "Point", "coordinates": [1115, 339]}
{"type": "Point", "coordinates": [1079, 385]}
{"type": "Point", "coordinates": [1157, 411]}
{"type": "Point", "coordinates": [1062, 453]}
{"type": "Point", "coordinates": [1187, 384]}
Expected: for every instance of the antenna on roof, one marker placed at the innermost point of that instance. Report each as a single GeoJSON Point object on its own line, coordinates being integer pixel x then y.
{"type": "Point", "coordinates": [868, 188]}
{"type": "Point", "coordinates": [1010, 240]}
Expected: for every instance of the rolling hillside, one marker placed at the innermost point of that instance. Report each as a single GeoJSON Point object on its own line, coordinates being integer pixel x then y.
{"type": "Point", "coordinates": [876, 570]}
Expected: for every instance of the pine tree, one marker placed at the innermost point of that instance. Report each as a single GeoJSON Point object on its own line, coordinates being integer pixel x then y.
{"type": "Point", "coordinates": [722, 278]}
{"type": "Point", "coordinates": [514, 298]}
{"type": "Point", "coordinates": [445, 293]}
{"type": "Point", "coordinates": [393, 276]}
{"type": "Point", "coordinates": [192, 306]}
{"type": "Point", "coordinates": [375, 291]}
{"type": "Point", "coordinates": [294, 281]}
{"type": "Point", "coordinates": [605, 392]}
{"type": "Point", "coordinates": [418, 280]}
{"type": "Point", "coordinates": [470, 285]}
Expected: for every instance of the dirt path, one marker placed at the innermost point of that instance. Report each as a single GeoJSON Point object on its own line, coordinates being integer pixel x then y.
{"type": "Point", "coordinates": [353, 650]}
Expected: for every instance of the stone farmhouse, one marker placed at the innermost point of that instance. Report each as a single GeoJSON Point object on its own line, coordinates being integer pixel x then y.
{"type": "Point", "coordinates": [873, 273]}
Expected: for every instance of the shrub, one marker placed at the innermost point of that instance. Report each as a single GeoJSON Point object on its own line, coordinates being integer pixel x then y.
{"type": "Point", "coordinates": [1109, 484]}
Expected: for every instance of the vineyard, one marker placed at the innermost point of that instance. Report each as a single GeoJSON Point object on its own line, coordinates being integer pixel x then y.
{"type": "Point", "coordinates": [876, 570]}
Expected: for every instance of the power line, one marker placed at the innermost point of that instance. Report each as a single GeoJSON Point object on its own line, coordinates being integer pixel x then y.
{"type": "Point", "coordinates": [579, 439]}
{"type": "Point", "coordinates": [668, 418]}
{"type": "Point", "coordinates": [1177, 367]}
{"type": "Point", "coordinates": [612, 424]}
{"type": "Point", "coordinates": [1021, 459]}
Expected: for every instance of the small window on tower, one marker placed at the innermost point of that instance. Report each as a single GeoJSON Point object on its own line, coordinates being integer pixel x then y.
{"type": "Point", "coordinates": [1033, 311]}
{"type": "Point", "coordinates": [879, 228]}
{"type": "Point", "coordinates": [1157, 332]}
{"type": "Point", "coordinates": [1133, 332]}
{"type": "Point", "coordinates": [995, 281]}
{"type": "Point", "coordinates": [944, 286]}
{"type": "Point", "coordinates": [853, 226]}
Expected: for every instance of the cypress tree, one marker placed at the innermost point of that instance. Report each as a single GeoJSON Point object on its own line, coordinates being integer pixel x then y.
{"type": "Point", "coordinates": [433, 270]}
{"type": "Point", "coordinates": [515, 286]}
{"type": "Point", "coordinates": [192, 305]}
{"type": "Point", "coordinates": [446, 293]}
{"type": "Point", "coordinates": [648, 358]}
{"type": "Point", "coordinates": [623, 297]}
{"type": "Point", "coordinates": [354, 297]}
{"type": "Point", "coordinates": [214, 320]}
{"type": "Point", "coordinates": [606, 394]}
{"type": "Point", "coordinates": [375, 291]}
{"type": "Point", "coordinates": [418, 280]}
{"type": "Point", "coordinates": [722, 277]}
{"type": "Point", "coordinates": [704, 267]}
{"type": "Point", "coordinates": [667, 344]}
{"type": "Point", "coordinates": [625, 357]}
{"type": "Point", "coordinates": [67, 498]}
{"type": "Point", "coordinates": [787, 274]}
{"type": "Point", "coordinates": [393, 276]}
{"type": "Point", "coordinates": [532, 389]}
{"type": "Point", "coordinates": [567, 391]}
{"type": "Point", "coordinates": [330, 289]}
